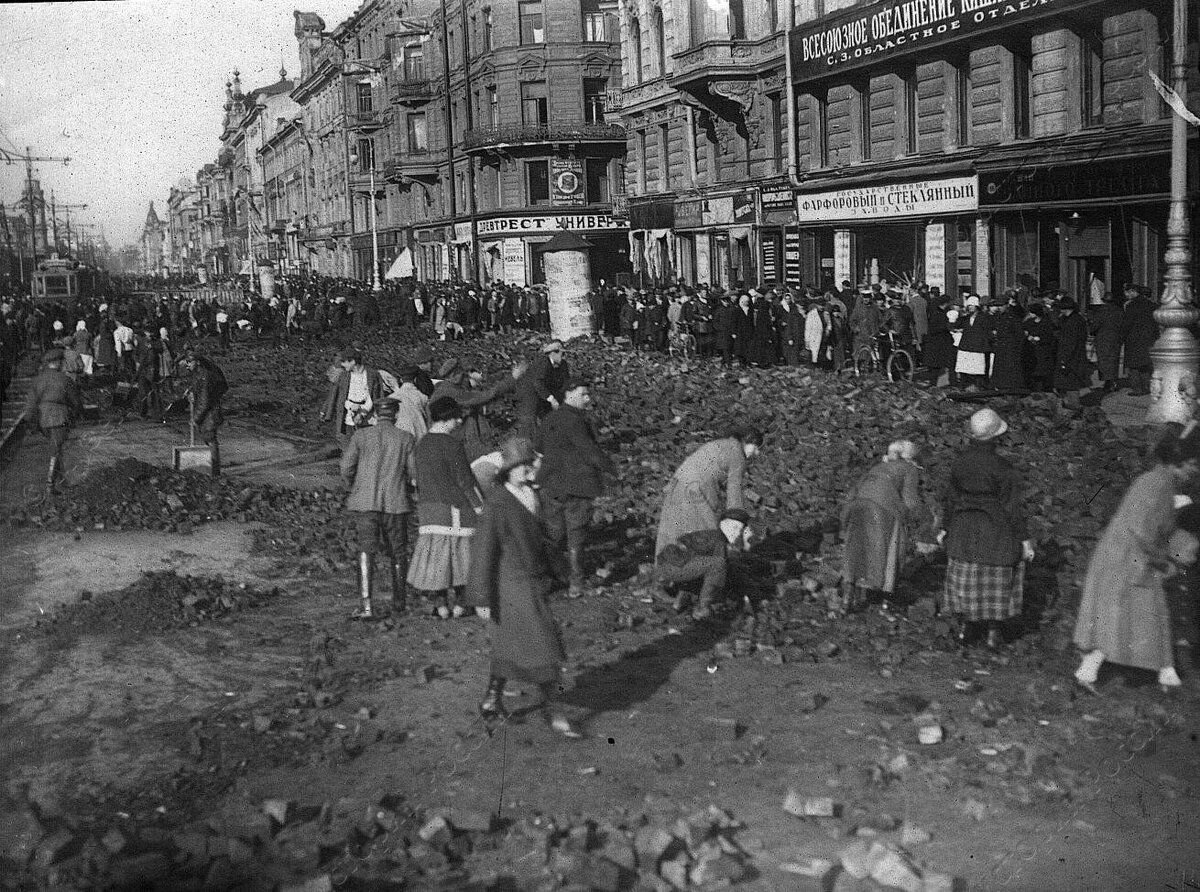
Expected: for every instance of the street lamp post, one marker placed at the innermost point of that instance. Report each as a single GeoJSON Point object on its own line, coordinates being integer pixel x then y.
{"type": "Point", "coordinates": [375, 284]}
{"type": "Point", "coordinates": [1175, 354]}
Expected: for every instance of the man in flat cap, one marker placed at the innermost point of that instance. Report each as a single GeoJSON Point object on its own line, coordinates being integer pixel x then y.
{"type": "Point", "coordinates": [52, 401]}
{"type": "Point", "coordinates": [352, 395]}
{"type": "Point", "coordinates": [541, 389]}
{"type": "Point", "coordinates": [378, 468]}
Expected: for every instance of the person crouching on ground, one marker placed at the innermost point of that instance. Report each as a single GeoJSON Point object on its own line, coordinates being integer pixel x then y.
{"type": "Point", "coordinates": [875, 524]}
{"type": "Point", "coordinates": [704, 556]}
{"type": "Point", "coordinates": [1123, 616]}
{"type": "Point", "coordinates": [378, 468]}
{"type": "Point", "coordinates": [511, 581]}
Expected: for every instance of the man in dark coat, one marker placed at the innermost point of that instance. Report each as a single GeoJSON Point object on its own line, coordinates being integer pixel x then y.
{"type": "Point", "coordinates": [1039, 349]}
{"type": "Point", "coordinates": [352, 396]}
{"type": "Point", "coordinates": [572, 476]}
{"type": "Point", "coordinates": [723, 327]}
{"type": "Point", "coordinates": [378, 468]}
{"type": "Point", "coordinates": [763, 350]}
{"type": "Point", "coordinates": [541, 388]}
{"type": "Point", "coordinates": [1106, 323]}
{"type": "Point", "coordinates": [1071, 370]}
{"type": "Point", "coordinates": [207, 386]}
{"type": "Point", "coordinates": [791, 329]}
{"type": "Point", "coordinates": [743, 330]}
{"type": "Point", "coordinates": [703, 555]}
{"type": "Point", "coordinates": [52, 401]}
{"type": "Point", "coordinates": [940, 354]}
{"type": "Point", "coordinates": [468, 391]}
{"type": "Point", "coordinates": [1008, 339]}
{"type": "Point", "coordinates": [1140, 333]}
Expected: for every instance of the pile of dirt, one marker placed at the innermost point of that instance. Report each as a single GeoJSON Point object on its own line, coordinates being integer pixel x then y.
{"type": "Point", "coordinates": [158, 602]}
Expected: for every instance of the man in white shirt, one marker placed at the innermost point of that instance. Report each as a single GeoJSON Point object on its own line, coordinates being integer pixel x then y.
{"type": "Point", "coordinates": [123, 343]}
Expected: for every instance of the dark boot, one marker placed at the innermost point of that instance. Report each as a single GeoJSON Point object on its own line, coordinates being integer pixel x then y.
{"type": "Point", "coordinates": [704, 606]}
{"type": "Point", "coordinates": [575, 559]}
{"type": "Point", "coordinates": [492, 707]}
{"type": "Point", "coordinates": [366, 566]}
{"type": "Point", "coordinates": [400, 586]}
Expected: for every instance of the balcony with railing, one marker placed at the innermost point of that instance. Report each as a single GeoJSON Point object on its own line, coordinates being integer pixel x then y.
{"type": "Point", "coordinates": [506, 135]}
{"type": "Point", "coordinates": [411, 92]}
{"type": "Point", "coordinates": [361, 119]}
{"type": "Point", "coordinates": [721, 58]}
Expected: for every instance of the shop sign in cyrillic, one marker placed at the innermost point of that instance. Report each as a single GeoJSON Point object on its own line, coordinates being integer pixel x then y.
{"type": "Point", "coordinates": [689, 214]}
{"type": "Point", "coordinates": [513, 254]}
{"type": "Point", "coordinates": [557, 223]}
{"type": "Point", "coordinates": [462, 232]}
{"type": "Point", "coordinates": [1143, 177]}
{"type": "Point", "coordinates": [870, 34]}
{"type": "Point", "coordinates": [935, 255]}
{"type": "Point", "coordinates": [429, 236]}
{"type": "Point", "coordinates": [744, 208]}
{"type": "Point", "coordinates": [778, 198]}
{"type": "Point", "coordinates": [948, 196]}
{"type": "Point", "coordinates": [718, 211]}
{"type": "Point", "coordinates": [566, 182]}
{"type": "Point", "coordinates": [841, 256]}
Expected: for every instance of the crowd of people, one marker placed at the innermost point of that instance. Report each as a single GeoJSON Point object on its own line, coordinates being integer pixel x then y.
{"type": "Point", "coordinates": [502, 526]}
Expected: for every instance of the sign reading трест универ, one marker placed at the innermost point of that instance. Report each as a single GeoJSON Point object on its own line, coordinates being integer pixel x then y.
{"type": "Point", "coordinates": [867, 34]}
{"type": "Point", "coordinates": [951, 195]}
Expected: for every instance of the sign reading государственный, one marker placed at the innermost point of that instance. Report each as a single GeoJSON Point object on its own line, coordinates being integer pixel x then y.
{"type": "Point", "coordinates": [866, 34]}
{"type": "Point", "coordinates": [946, 196]}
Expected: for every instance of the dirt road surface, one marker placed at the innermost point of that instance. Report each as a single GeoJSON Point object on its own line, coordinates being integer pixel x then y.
{"type": "Point", "coordinates": [139, 748]}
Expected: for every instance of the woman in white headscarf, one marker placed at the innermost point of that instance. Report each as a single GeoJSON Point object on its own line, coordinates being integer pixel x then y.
{"type": "Point", "coordinates": [875, 523]}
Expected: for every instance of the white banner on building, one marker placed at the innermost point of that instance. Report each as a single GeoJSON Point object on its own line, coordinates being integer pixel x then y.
{"type": "Point", "coordinates": [513, 254]}
{"type": "Point", "coordinates": [841, 257]}
{"type": "Point", "coordinates": [948, 196]}
{"type": "Point", "coordinates": [935, 255]}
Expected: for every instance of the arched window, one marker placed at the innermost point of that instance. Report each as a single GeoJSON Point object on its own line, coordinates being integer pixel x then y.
{"type": "Point", "coordinates": [635, 46]}
{"type": "Point", "coordinates": [660, 41]}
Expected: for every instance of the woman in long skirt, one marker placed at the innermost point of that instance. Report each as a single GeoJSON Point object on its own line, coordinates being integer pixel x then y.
{"type": "Point", "coordinates": [512, 579]}
{"type": "Point", "coordinates": [1123, 616]}
{"type": "Point", "coordinates": [985, 539]}
{"type": "Point", "coordinates": [694, 499]}
{"type": "Point", "coordinates": [448, 503]}
{"type": "Point", "coordinates": [875, 523]}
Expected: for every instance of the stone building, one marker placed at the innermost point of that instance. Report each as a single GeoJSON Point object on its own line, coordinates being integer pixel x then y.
{"type": "Point", "coordinates": [151, 243]}
{"type": "Point", "coordinates": [983, 145]}
{"type": "Point", "coordinates": [287, 180]}
{"type": "Point", "coordinates": [705, 107]}
{"type": "Point", "coordinates": [183, 227]}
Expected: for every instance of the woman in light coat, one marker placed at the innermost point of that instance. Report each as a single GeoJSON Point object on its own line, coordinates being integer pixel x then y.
{"type": "Point", "coordinates": [1123, 615]}
{"type": "Point", "coordinates": [875, 523]}
{"type": "Point", "coordinates": [708, 482]}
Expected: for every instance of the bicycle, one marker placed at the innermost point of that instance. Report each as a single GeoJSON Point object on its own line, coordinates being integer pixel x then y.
{"type": "Point", "coordinates": [681, 342]}
{"type": "Point", "coordinates": [899, 366]}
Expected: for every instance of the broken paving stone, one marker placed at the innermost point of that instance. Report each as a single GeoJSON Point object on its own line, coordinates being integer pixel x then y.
{"type": "Point", "coordinates": [719, 871]}
{"type": "Point", "coordinates": [859, 858]}
{"type": "Point", "coordinates": [620, 852]}
{"type": "Point", "coordinates": [322, 883]}
{"type": "Point", "coordinates": [930, 735]}
{"type": "Point", "coordinates": [675, 871]}
{"type": "Point", "coordinates": [912, 835]}
{"type": "Point", "coordinates": [470, 821]}
{"type": "Point", "coordinates": [819, 870]}
{"type": "Point", "coordinates": [810, 806]}
{"type": "Point", "coordinates": [975, 810]}
{"type": "Point", "coordinates": [651, 844]}
{"type": "Point", "coordinates": [53, 848]}
{"type": "Point", "coordinates": [828, 649]}
{"type": "Point", "coordinates": [20, 832]}
{"type": "Point", "coordinates": [602, 875]}
{"type": "Point", "coordinates": [114, 841]}
{"type": "Point", "coordinates": [898, 764]}
{"type": "Point", "coordinates": [808, 701]}
{"type": "Point", "coordinates": [278, 810]}
{"type": "Point", "coordinates": [668, 763]}
{"type": "Point", "coordinates": [139, 871]}
{"type": "Point", "coordinates": [723, 728]}
{"type": "Point", "coordinates": [434, 828]}
{"type": "Point", "coordinates": [894, 870]}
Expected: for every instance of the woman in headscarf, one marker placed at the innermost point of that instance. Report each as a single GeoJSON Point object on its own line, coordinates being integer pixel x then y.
{"type": "Point", "coordinates": [693, 500]}
{"type": "Point", "coordinates": [512, 579]}
{"type": "Point", "coordinates": [875, 524]}
{"type": "Point", "coordinates": [985, 538]}
{"type": "Point", "coordinates": [448, 503]}
{"type": "Point", "coordinates": [83, 346]}
{"type": "Point", "coordinates": [1123, 616]}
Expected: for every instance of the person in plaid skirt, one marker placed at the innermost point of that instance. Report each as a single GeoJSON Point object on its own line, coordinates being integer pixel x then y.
{"type": "Point", "coordinates": [985, 538]}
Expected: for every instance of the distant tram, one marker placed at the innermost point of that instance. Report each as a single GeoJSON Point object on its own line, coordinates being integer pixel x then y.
{"type": "Point", "coordinates": [58, 280]}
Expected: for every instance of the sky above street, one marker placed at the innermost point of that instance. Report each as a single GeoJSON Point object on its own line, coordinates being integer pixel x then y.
{"type": "Point", "coordinates": [132, 92]}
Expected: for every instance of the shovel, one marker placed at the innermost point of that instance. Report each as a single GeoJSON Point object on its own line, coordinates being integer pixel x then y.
{"type": "Point", "coordinates": [193, 457]}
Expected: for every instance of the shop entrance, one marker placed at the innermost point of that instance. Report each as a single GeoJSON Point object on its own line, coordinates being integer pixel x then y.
{"type": "Point", "coordinates": [895, 252]}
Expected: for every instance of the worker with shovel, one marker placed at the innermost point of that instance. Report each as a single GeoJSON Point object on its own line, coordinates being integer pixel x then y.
{"type": "Point", "coordinates": [206, 387]}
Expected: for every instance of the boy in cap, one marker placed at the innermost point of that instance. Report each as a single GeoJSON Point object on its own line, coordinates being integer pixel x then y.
{"type": "Point", "coordinates": [378, 467]}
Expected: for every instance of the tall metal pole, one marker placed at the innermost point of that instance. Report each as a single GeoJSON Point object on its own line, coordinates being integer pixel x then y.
{"type": "Point", "coordinates": [1175, 354]}
{"type": "Point", "coordinates": [32, 210]}
{"type": "Point", "coordinates": [375, 286]}
{"type": "Point", "coordinates": [53, 222]}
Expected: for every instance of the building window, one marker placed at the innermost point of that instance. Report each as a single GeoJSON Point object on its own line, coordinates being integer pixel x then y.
{"type": "Point", "coordinates": [414, 63]}
{"type": "Point", "coordinates": [911, 112]}
{"type": "Point", "coordinates": [664, 157]}
{"type": "Point", "coordinates": [366, 155]}
{"type": "Point", "coordinates": [773, 15]}
{"type": "Point", "coordinates": [1091, 87]}
{"type": "Point", "coordinates": [366, 102]}
{"type": "Point", "coordinates": [487, 29]}
{"type": "Point", "coordinates": [533, 103]}
{"type": "Point", "coordinates": [821, 125]}
{"type": "Point", "coordinates": [454, 118]}
{"type": "Point", "coordinates": [531, 22]}
{"type": "Point", "coordinates": [737, 20]}
{"type": "Point", "coordinates": [537, 182]}
{"type": "Point", "coordinates": [493, 100]}
{"type": "Point", "coordinates": [417, 134]}
{"type": "Point", "coordinates": [962, 102]}
{"type": "Point", "coordinates": [660, 42]}
{"type": "Point", "coordinates": [594, 91]}
{"type": "Point", "coordinates": [596, 176]}
{"type": "Point", "coordinates": [863, 96]}
{"type": "Point", "coordinates": [1021, 86]}
{"type": "Point", "coordinates": [635, 49]}
{"type": "Point", "coordinates": [599, 20]}
{"type": "Point", "coordinates": [776, 124]}
{"type": "Point", "coordinates": [641, 162]}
